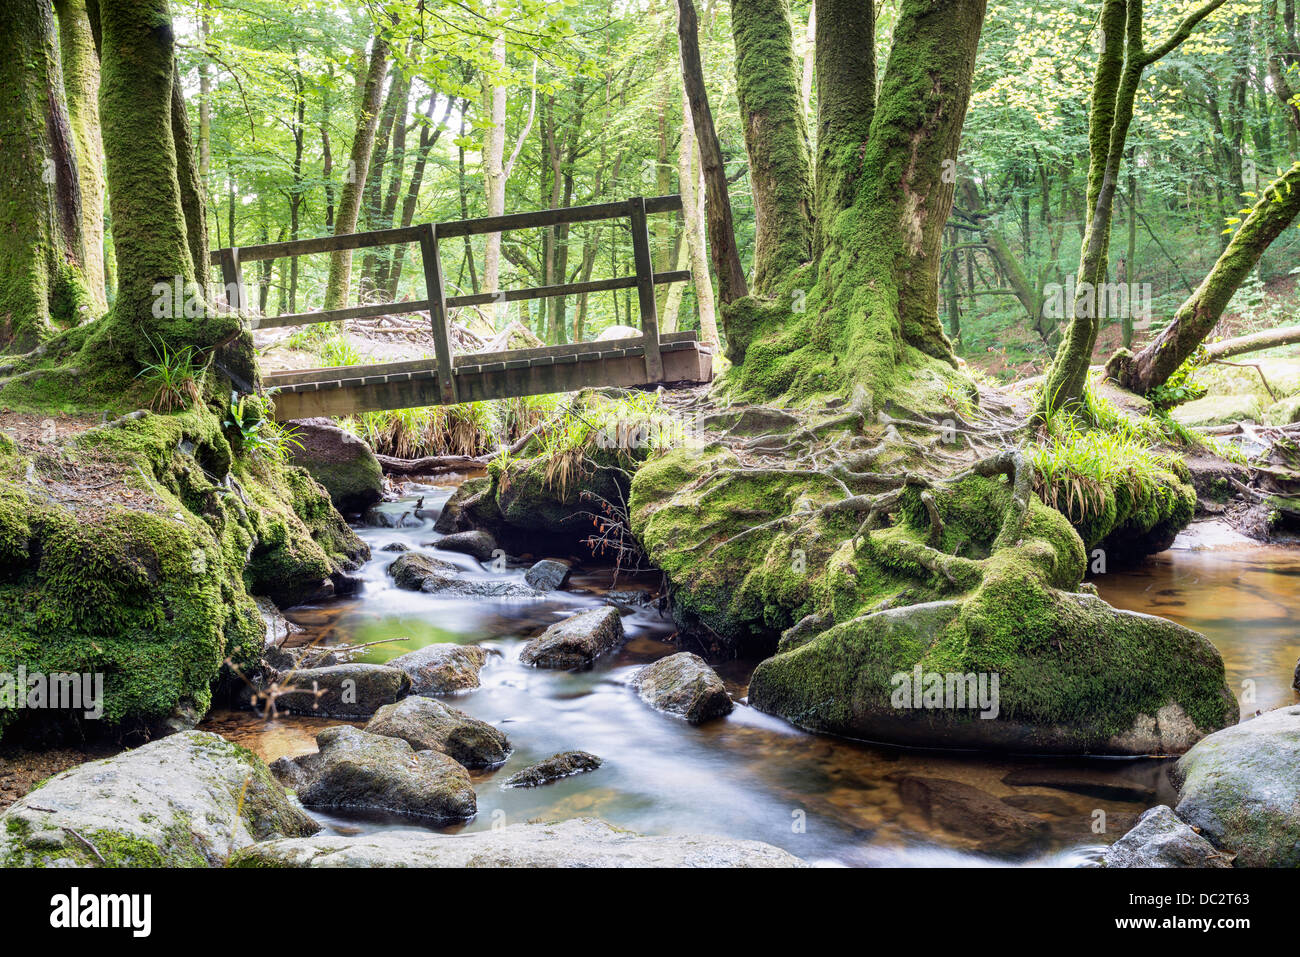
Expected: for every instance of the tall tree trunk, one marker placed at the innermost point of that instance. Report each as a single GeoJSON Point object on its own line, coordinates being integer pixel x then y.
{"type": "Point", "coordinates": [776, 138]}
{"type": "Point", "coordinates": [1120, 66]}
{"type": "Point", "coordinates": [429, 133]}
{"type": "Point", "coordinates": [354, 180]}
{"type": "Point", "coordinates": [153, 186]}
{"type": "Point", "coordinates": [42, 246]}
{"type": "Point", "coordinates": [872, 313]}
{"type": "Point", "coordinates": [844, 71]}
{"type": "Point", "coordinates": [81, 86]}
{"type": "Point", "coordinates": [732, 284]}
{"type": "Point", "coordinates": [691, 180]}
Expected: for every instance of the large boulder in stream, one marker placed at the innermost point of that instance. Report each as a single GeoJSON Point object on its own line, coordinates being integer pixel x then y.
{"type": "Point", "coordinates": [581, 842]}
{"type": "Point", "coordinates": [443, 667]}
{"type": "Point", "coordinates": [477, 544]}
{"type": "Point", "coordinates": [341, 691]}
{"type": "Point", "coordinates": [1160, 839]}
{"type": "Point", "coordinates": [360, 770]}
{"type": "Point", "coordinates": [576, 641]}
{"type": "Point", "coordinates": [429, 725]}
{"type": "Point", "coordinates": [683, 684]}
{"type": "Point", "coordinates": [341, 462]}
{"type": "Point", "coordinates": [1240, 788]}
{"type": "Point", "coordinates": [1080, 677]}
{"type": "Point", "coordinates": [188, 800]}
{"type": "Point", "coordinates": [416, 571]}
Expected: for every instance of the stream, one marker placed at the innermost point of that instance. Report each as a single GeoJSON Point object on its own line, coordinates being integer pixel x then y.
{"type": "Point", "coordinates": [751, 775]}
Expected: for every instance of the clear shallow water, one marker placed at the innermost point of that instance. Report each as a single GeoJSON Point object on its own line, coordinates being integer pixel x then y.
{"type": "Point", "coordinates": [748, 775]}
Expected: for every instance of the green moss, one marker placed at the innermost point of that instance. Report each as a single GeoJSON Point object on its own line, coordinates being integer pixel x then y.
{"type": "Point", "coordinates": [155, 595]}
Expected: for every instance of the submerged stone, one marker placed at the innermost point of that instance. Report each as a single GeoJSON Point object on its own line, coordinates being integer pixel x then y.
{"type": "Point", "coordinates": [357, 769]}
{"type": "Point", "coordinates": [557, 766]}
{"type": "Point", "coordinates": [342, 691]}
{"type": "Point", "coordinates": [443, 667]}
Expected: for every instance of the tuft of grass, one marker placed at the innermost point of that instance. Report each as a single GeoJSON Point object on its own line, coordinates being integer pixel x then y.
{"type": "Point", "coordinates": [174, 375]}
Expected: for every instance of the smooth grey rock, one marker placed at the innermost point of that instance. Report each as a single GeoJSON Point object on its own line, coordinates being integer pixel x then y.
{"type": "Point", "coordinates": [1240, 787]}
{"type": "Point", "coordinates": [1159, 839]}
{"type": "Point", "coordinates": [582, 842]}
{"type": "Point", "coordinates": [175, 802]}
{"type": "Point", "coordinates": [683, 684]}
{"type": "Point", "coordinates": [443, 667]}
{"type": "Point", "coordinates": [562, 765]}
{"type": "Point", "coordinates": [576, 641]}
{"type": "Point", "coordinates": [547, 575]}
{"type": "Point", "coordinates": [970, 812]}
{"type": "Point", "coordinates": [429, 725]}
{"type": "Point", "coordinates": [412, 570]}
{"type": "Point", "coordinates": [416, 571]}
{"type": "Point", "coordinates": [357, 769]}
{"type": "Point", "coordinates": [342, 691]}
{"type": "Point", "coordinates": [478, 544]}
{"type": "Point", "coordinates": [396, 547]}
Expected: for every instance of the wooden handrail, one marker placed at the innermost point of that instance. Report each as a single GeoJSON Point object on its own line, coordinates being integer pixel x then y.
{"type": "Point", "coordinates": [453, 229]}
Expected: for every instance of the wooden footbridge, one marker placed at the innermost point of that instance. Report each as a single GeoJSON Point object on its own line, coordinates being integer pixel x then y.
{"type": "Point", "coordinates": [673, 359]}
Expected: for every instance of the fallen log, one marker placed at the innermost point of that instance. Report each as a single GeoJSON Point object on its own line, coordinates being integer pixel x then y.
{"type": "Point", "coordinates": [1254, 342]}
{"type": "Point", "coordinates": [430, 464]}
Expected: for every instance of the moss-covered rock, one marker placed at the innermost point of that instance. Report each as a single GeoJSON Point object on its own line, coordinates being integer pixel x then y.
{"type": "Point", "coordinates": [975, 576]}
{"type": "Point", "coordinates": [341, 462]}
{"type": "Point", "coordinates": [189, 800]}
{"type": "Point", "coordinates": [150, 585]}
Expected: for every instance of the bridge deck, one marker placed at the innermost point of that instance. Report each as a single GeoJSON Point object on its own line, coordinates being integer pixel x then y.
{"type": "Point", "coordinates": [672, 359]}
{"type": "Point", "coordinates": [347, 390]}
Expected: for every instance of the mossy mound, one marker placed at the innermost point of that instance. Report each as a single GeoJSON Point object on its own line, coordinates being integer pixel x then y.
{"type": "Point", "coordinates": [975, 576]}
{"type": "Point", "coordinates": [149, 582]}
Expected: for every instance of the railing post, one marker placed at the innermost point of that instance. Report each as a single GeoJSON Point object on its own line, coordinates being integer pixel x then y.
{"type": "Point", "coordinates": [433, 292]}
{"type": "Point", "coordinates": [645, 287]}
{"type": "Point", "coordinates": [232, 276]}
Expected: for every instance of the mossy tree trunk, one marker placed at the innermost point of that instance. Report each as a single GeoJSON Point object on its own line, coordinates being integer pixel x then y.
{"type": "Point", "coordinates": [354, 179]}
{"type": "Point", "coordinates": [42, 244]}
{"type": "Point", "coordinates": [1121, 61]}
{"type": "Point", "coordinates": [1276, 209]}
{"type": "Point", "coordinates": [81, 87]}
{"type": "Point", "coordinates": [1152, 366]}
{"type": "Point", "coordinates": [771, 108]}
{"type": "Point", "coordinates": [865, 313]}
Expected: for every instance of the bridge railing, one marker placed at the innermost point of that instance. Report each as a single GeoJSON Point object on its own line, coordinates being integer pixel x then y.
{"type": "Point", "coordinates": [437, 302]}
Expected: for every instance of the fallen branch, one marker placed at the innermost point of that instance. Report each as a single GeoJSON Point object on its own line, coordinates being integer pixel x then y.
{"type": "Point", "coordinates": [430, 464]}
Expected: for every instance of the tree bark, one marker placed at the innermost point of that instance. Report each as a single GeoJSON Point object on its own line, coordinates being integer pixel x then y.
{"type": "Point", "coordinates": [776, 137]}
{"type": "Point", "coordinates": [846, 85]}
{"type": "Point", "coordinates": [1276, 209]}
{"type": "Point", "coordinates": [42, 247]}
{"type": "Point", "coordinates": [81, 86]}
{"type": "Point", "coordinates": [732, 284]}
{"type": "Point", "coordinates": [354, 180]}
{"type": "Point", "coordinates": [691, 178]}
